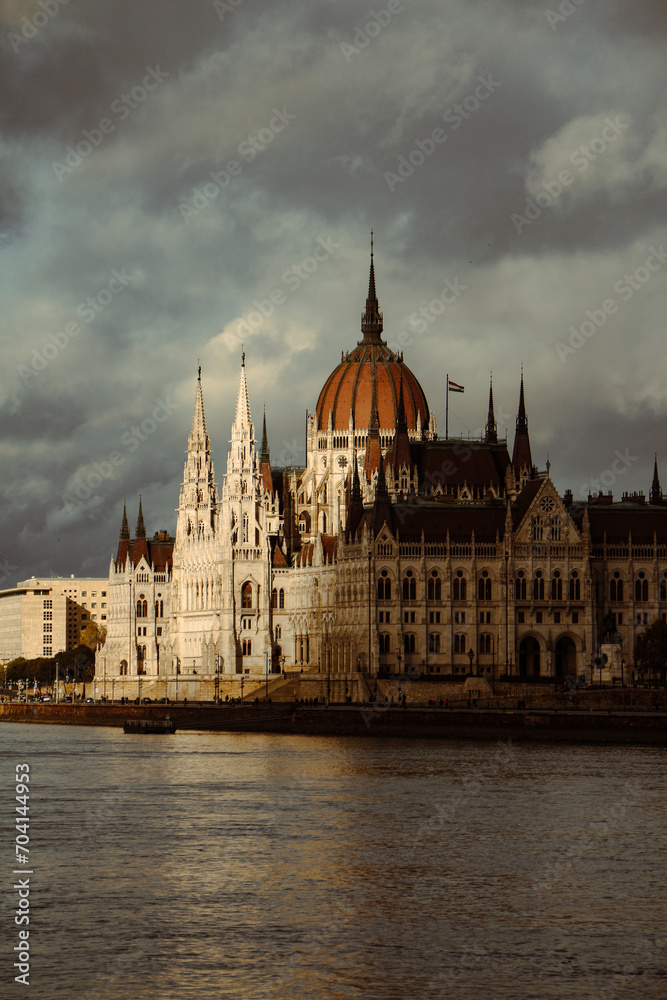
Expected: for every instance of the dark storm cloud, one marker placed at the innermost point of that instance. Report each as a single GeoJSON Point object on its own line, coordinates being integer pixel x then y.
{"type": "Point", "coordinates": [197, 272]}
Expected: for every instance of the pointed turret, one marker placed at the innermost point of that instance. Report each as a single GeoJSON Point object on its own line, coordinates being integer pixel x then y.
{"type": "Point", "coordinates": [656, 492]}
{"type": "Point", "coordinates": [522, 462]}
{"type": "Point", "coordinates": [140, 531]}
{"type": "Point", "coordinates": [373, 450]}
{"type": "Point", "coordinates": [400, 452]}
{"type": "Point", "coordinates": [491, 426]}
{"type": "Point", "coordinates": [371, 319]}
{"type": "Point", "coordinates": [198, 433]}
{"type": "Point", "coordinates": [265, 460]}
{"type": "Point", "coordinates": [356, 506]}
{"type": "Point", "coordinates": [124, 538]}
{"type": "Point", "coordinates": [242, 418]}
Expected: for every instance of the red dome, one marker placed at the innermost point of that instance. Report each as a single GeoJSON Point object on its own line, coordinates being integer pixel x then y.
{"type": "Point", "coordinates": [350, 387]}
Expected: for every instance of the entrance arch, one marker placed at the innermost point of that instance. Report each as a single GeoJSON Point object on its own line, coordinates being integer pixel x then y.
{"type": "Point", "coordinates": [566, 657]}
{"type": "Point", "coordinates": [529, 657]}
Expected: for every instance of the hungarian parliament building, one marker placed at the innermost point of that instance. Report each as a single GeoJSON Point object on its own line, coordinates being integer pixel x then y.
{"type": "Point", "coordinates": [393, 551]}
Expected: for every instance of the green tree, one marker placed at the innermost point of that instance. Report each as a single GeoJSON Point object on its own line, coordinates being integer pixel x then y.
{"type": "Point", "coordinates": [93, 635]}
{"type": "Point", "coordinates": [651, 650]}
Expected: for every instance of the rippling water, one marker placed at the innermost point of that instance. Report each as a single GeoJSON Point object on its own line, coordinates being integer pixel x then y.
{"type": "Point", "coordinates": [237, 866]}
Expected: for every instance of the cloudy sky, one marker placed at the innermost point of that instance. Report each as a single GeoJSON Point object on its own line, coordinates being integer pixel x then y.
{"type": "Point", "coordinates": [180, 178]}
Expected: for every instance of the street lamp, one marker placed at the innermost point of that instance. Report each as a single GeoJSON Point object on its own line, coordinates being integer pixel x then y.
{"type": "Point", "coordinates": [217, 679]}
{"type": "Point", "coordinates": [178, 670]}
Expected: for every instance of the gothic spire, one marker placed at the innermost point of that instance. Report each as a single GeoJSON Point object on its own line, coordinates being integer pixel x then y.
{"type": "Point", "coordinates": [491, 426]}
{"type": "Point", "coordinates": [124, 528]}
{"type": "Point", "coordinates": [656, 492]}
{"type": "Point", "coordinates": [356, 507]}
{"type": "Point", "coordinates": [264, 447]}
{"type": "Point", "coordinates": [521, 457]}
{"type": "Point", "coordinates": [373, 450]}
{"type": "Point", "coordinates": [242, 404]}
{"type": "Point", "coordinates": [140, 530]}
{"type": "Point", "coordinates": [371, 319]}
{"type": "Point", "coordinates": [199, 433]}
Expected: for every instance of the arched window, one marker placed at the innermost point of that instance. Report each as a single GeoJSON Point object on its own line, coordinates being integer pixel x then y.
{"type": "Point", "coordinates": [434, 642]}
{"type": "Point", "coordinates": [459, 588]}
{"type": "Point", "coordinates": [538, 586]}
{"type": "Point", "coordinates": [246, 595]}
{"type": "Point", "coordinates": [245, 527]}
{"type": "Point", "coordinates": [486, 643]}
{"type": "Point", "coordinates": [324, 524]}
{"type": "Point", "coordinates": [304, 521]}
{"type": "Point", "coordinates": [385, 645]}
{"type": "Point", "coordinates": [409, 587]}
{"type": "Point", "coordinates": [281, 598]}
{"type": "Point", "coordinates": [484, 587]}
{"type": "Point", "coordinates": [520, 586]}
{"type": "Point", "coordinates": [409, 643]}
{"type": "Point", "coordinates": [434, 587]}
{"type": "Point", "coordinates": [575, 586]}
{"type": "Point", "coordinates": [384, 586]}
{"type": "Point", "coordinates": [459, 643]}
{"type": "Point", "coordinates": [556, 587]}
{"type": "Point", "coordinates": [142, 608]}
{"type": "Point", "coordinates": [247, 647]}
{"type": "Point", "coordinates": [663, 588]}
{"type": "Point", "coordinates": [641, 587]}
{"type": "Point", "coordinates": [538, 529]}
{"type": "Point", "coordinates": [616, 587]}
{"type": "Point", "coordinates": [274, 598]}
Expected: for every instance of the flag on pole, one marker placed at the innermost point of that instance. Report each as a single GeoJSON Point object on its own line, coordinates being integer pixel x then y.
{"type": "Point", "coordinates": [455, 387]}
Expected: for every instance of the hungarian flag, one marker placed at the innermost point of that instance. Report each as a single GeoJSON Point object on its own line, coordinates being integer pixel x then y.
{"type": "Point", "coordinates": [455, 387]}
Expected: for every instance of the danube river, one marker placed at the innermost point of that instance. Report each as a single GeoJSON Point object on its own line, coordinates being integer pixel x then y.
{"type": "Point", "coordinates": [240, 866]}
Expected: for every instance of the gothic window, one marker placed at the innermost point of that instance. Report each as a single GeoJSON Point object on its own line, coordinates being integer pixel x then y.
{"type": "Point", "coordinates": [385, 644]}
{"type": "Point", "coordinates": [485, 643]}
{"type": "Point", "coordinates": [556, 587]}
{"type": "Point", "coordinates": [520, 586]}
{"type": "Point", "coordinates": [324, 524]}
{"type": "Point", "coordinates": [142, 608]}
{"type": "Point", "coordinates": [459, 643]}
{"type": "Point", "coordinates": [641, 587]}
{"type": "Point", "coordinates": [434, 587]}
{"type": "Point", "coordinates": [409, 587]}
{"type": "Point", "coordinates": [434, 642]}
{"type": "Point", "coordinates": [538, 586]}
{"type": "Point", "coordinates": [663, 588]}
{"type": "Point", "coordinates": [409, 643]}
{"type": "Point", "coordinates": [459, 588]}
{"type": "Point", "coordinates": [616, 587]}
{"type": "Point", "coordinates": [484, 587]}
{"type": "Point", "coordinates": [556, 529]}
{"type": "Point", "coordinates": [575, 587]}
{"type": "Point", "coordinates": [281, 598]}
{"type": "Point", "coordinates": [246, 595]}
{"type": "Point", "coordinates": [538, 529]}
{"type": "Point", "coordinates": [384, 586]}
{"type": "Point", "coordinates": [247, 647]}
{"type": "Point", "coordinates": [279, 632]}
{"type": "Point", "coordinates": [245, 527]}
{"type": "Point", "coordinates": [274, 598]}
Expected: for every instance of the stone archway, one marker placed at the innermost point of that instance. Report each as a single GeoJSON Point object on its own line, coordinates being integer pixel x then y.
{"type": "Point", "coordinates": [565, 657]}
{"type": "Point", "coordinates": [529, 657]}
